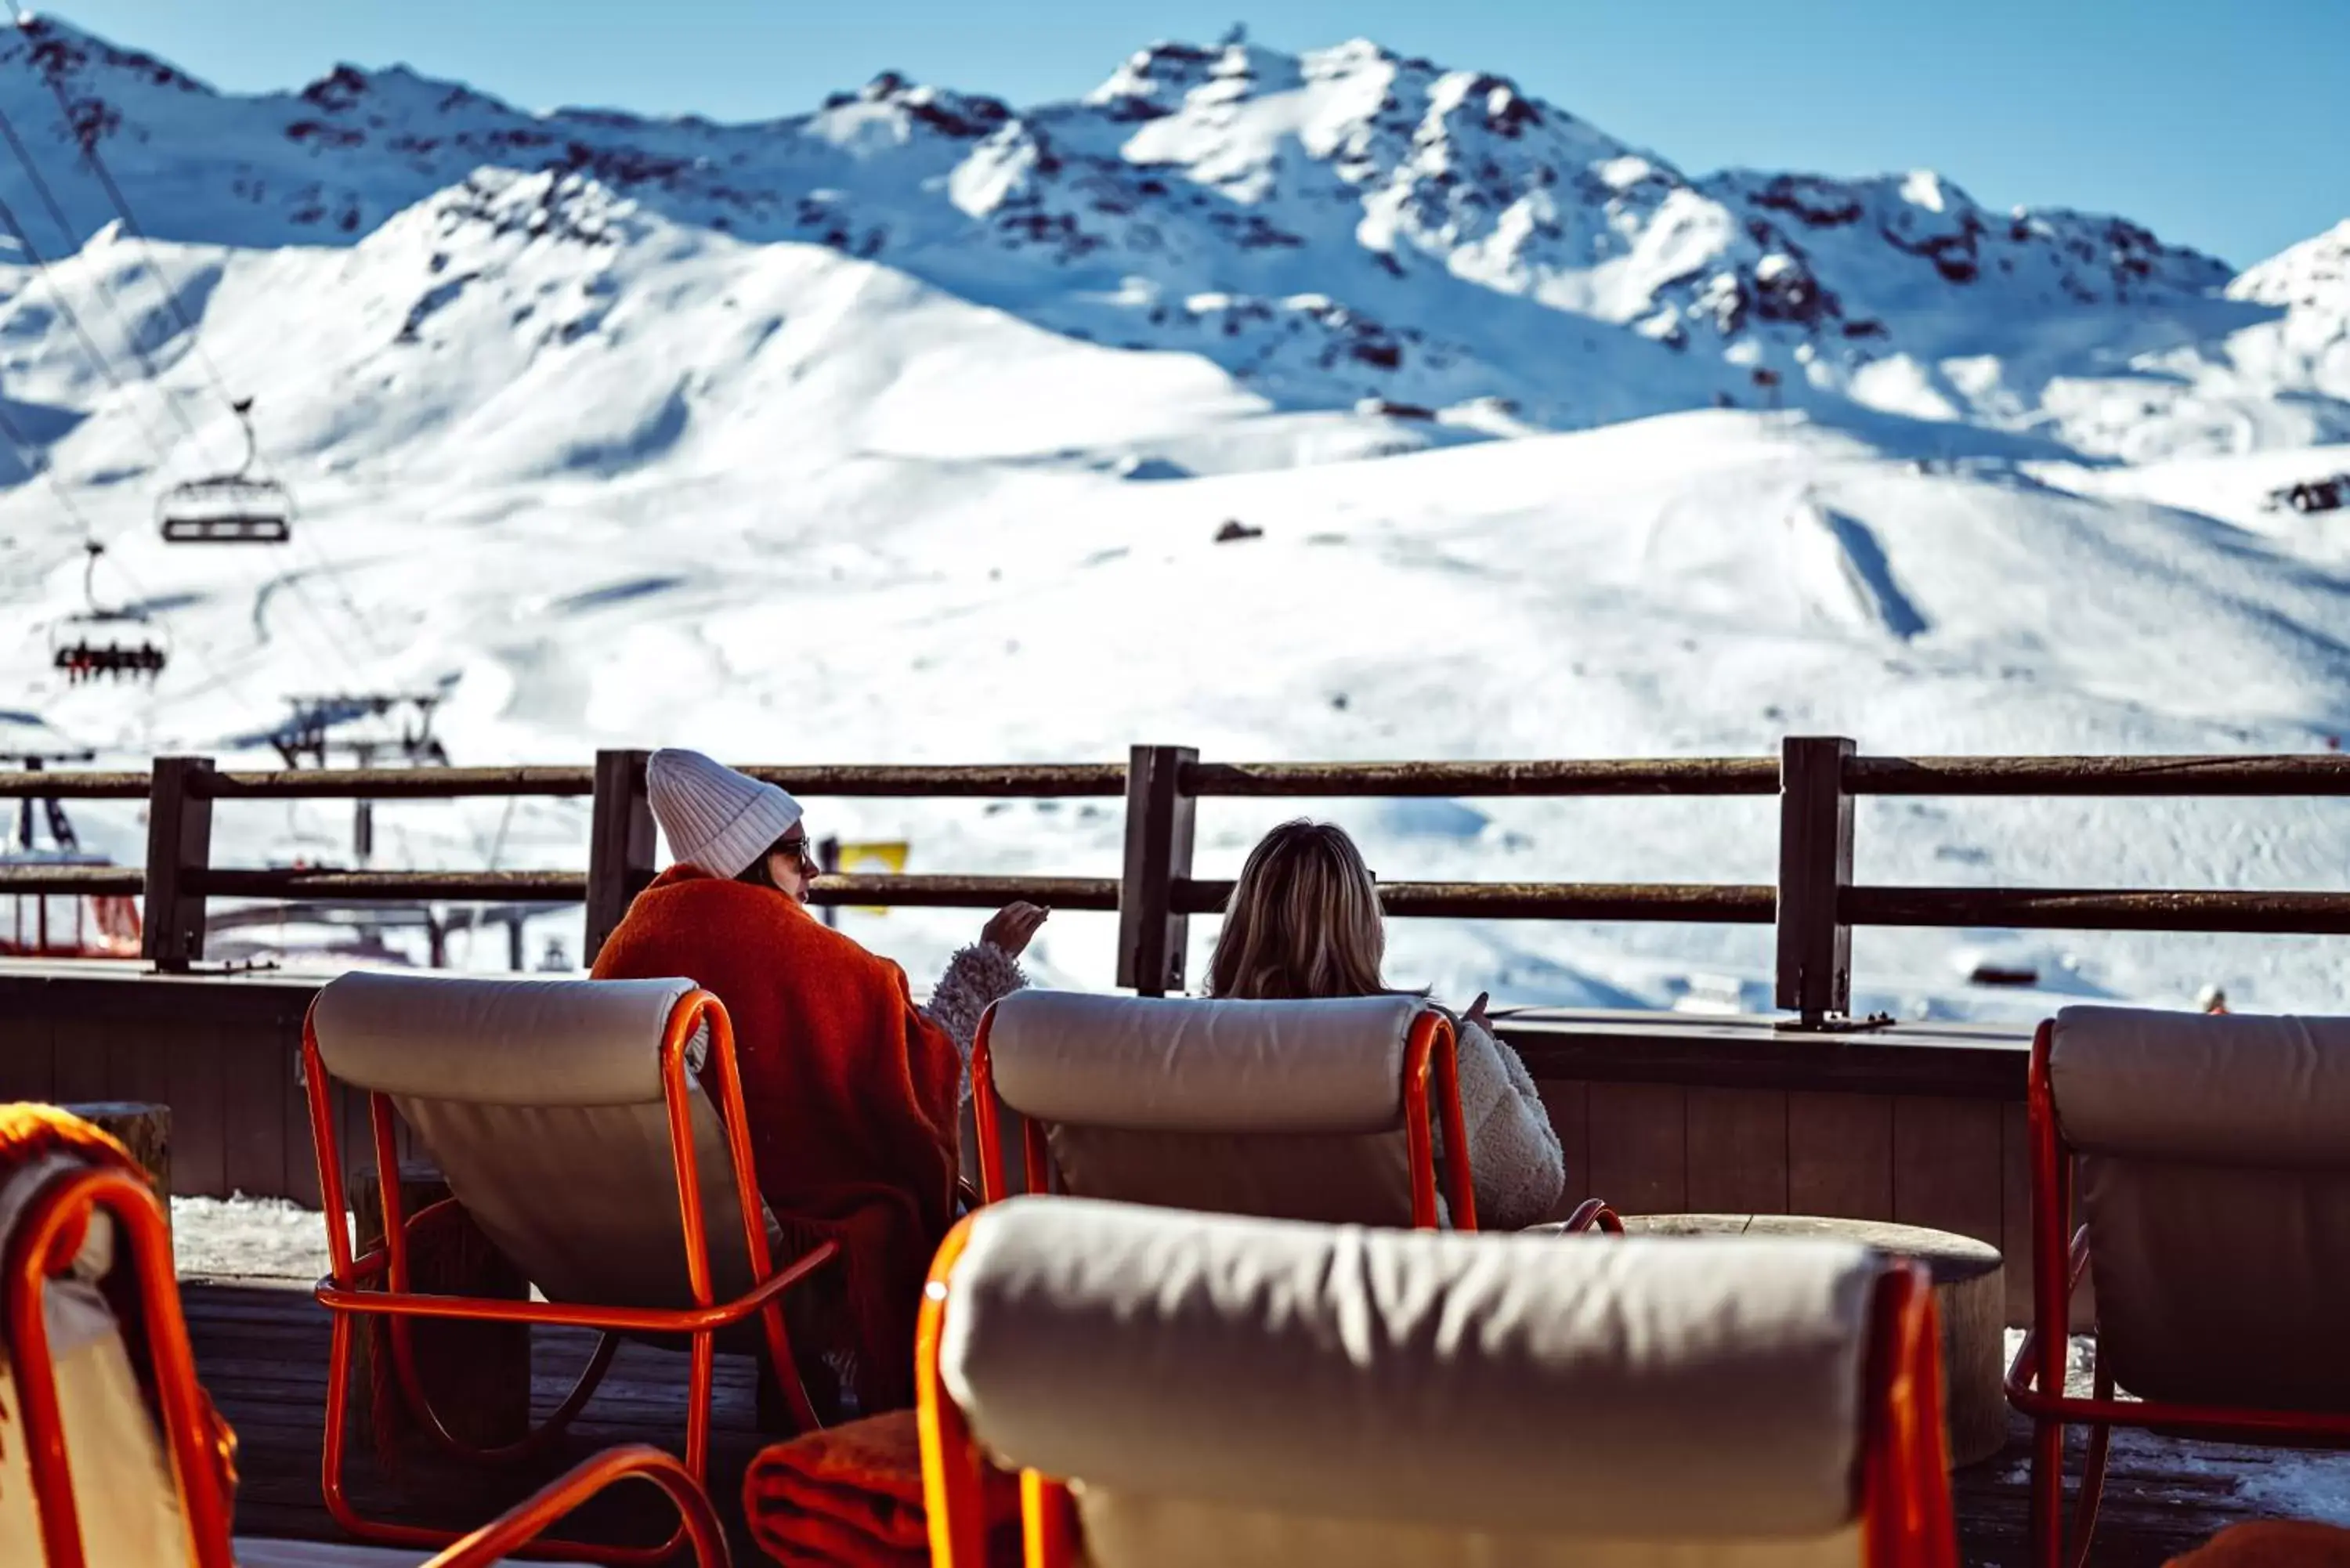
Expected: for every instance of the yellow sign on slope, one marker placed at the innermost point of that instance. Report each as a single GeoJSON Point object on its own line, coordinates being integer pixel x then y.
{"type": "Point", "coordinates": [881, 857]}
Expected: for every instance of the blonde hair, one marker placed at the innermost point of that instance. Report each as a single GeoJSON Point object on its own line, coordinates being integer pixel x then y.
{"type": "Point", "coordinates": [1304, 920]}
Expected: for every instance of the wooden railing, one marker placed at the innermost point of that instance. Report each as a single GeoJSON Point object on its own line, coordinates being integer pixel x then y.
{"type": "Point", "coordinates": [1815, 903]}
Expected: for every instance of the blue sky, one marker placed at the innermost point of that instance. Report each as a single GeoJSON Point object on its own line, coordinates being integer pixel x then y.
{"type": "Point", "coordinates": [2217, 123]}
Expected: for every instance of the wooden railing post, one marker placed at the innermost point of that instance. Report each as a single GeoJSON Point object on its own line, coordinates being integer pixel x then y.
{"type": "Point", "coordinates": [619, 845]}
{"type": "Point", "coordinates": [1814, 867]}
{"type": "Point", "coordinates": [1152, 936]}
{"type": "Point", "coordinates": [178, 851]}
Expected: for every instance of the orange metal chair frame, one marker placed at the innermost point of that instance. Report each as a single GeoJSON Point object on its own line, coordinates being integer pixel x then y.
{"type": "Point", "coordinates": [1903, 1480]}
{"type": "Point", "coordinates": [2035, 1382]}
{"type": "Point", "coordinates": [377, 1285]}
{"type": "Point", "coordinates": [1430, 1051]}
{"type": "Point", "coordinates": [47, 1238]}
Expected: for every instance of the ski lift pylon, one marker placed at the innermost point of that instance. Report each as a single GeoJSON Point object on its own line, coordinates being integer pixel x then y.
{"type": "Point", "coordinates": [118, 644]}
{"type": "Point", "coordinates": [238, 508]}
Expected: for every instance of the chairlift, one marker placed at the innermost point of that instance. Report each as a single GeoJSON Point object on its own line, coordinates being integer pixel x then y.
{"type": "Point", "coordinates": [101, 643]}
{"type": "Point", "coordinates": [239, 508]}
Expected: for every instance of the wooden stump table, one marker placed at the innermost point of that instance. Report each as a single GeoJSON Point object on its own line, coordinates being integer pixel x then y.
{"type": "Point", "coordinates": [143, 1128]}
{"type": "Point", "coordinates": [1970, 1292]}
{"type": "Point", "coordinates": [477, 1374]}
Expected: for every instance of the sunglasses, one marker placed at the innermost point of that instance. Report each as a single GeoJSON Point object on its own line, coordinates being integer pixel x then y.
{"type": "Point", "coordinates": [801, 849]}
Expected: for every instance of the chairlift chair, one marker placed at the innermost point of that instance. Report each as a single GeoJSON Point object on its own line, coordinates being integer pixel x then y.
{"type": "Point", "coordinates": [118, 644]}
{"type": "Point", "coordinates": [238, 508]}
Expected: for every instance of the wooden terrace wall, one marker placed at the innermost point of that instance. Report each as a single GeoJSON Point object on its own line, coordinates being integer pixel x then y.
{"type": "Point", "coordinates": [1658, 1113]}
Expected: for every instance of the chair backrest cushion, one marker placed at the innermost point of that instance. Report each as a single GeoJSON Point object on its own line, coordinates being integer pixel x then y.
{"type": "Point", "coordinates": [1177, 1064]}
{"type": "Point", "coordinates": [569, 1174]}
{"type": "Point", "coordinates": [534, 1043]}
{"type": "Point", "coordinates": [1510, 1385]}
{"type": "Point", "coordinates": [1285, 1109]}
{"type": "Point", "coordinates": [2214, 1159]}
{"type": "Point", "coordinates": [2220, 1089]}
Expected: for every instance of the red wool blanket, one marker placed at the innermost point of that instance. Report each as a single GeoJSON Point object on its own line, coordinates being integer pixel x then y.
{"type": "Point", "coordinates": [850, 1091]}
{"type": "Point", "coordinates": [2271, 1543]}
{"type": "Point", "coordinates": [852, 1498]}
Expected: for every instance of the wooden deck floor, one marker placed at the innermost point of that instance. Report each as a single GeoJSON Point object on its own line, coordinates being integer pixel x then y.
{"type": "Point", "coordinates": [262, 1350]}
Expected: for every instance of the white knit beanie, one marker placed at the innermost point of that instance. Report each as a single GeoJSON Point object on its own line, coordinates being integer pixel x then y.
{"type": "Point", "coordinates": [715, 819]}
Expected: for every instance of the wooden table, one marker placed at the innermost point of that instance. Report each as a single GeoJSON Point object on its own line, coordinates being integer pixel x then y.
{"type": "Point", "coordinates": [1970, 1290]}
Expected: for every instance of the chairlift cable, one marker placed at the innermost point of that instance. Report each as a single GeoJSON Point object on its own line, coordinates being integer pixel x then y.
{"type": "Point", "coordinates": [95, 162]}
{"type": "Point", "coordinates": [104, 294]}
{"type": "Point", "coordinates": [27, 22]}
{"type": "Point", "coordinates": [131, 227]}
{"type": "Point", "coordinates": [30, 457]}
{"type": "Point", "coordinates": [130, 224]}
{"type": "Point", "coordinates": [195, 340]}
{"type": "Point", "coordinates": [218, 673]}
{"type": "Point", "coordinates": [37, 462]}
{"type": "Point", "coordinates": [65, 308]}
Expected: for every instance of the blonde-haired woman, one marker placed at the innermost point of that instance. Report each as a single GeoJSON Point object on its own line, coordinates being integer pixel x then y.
{"type": "Point", "coordinates": [1304, 922]}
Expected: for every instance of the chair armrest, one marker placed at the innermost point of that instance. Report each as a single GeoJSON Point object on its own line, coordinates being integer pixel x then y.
{"type": "Point", "coordinates": [1590, 1214]}
{"type": "Point", "coordinates": [530, 1519]}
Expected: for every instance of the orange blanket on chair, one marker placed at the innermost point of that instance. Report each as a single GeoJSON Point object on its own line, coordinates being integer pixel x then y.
{"type": "Point", "coordinates": [851, 1093]}
{"type": "Point", "coordinates": [852, 1498]}
{"type": "Point", "coordinates": [28, 1134]}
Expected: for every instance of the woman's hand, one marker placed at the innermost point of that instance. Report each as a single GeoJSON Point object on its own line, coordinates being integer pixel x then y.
{"type": "Point", "coordinates": [1012, 927]}
{"type": "Point", "coordinates": [1476, 1014]}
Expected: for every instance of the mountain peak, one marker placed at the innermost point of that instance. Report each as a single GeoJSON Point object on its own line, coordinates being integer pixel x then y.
{"type": "Point", "coordinates": [2316, 273]}
{"type": "Point", "coordinates": [65, 53]}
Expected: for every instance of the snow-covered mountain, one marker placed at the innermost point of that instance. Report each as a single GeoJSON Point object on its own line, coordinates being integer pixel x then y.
{"type": "Point", "coordinates": [903, 428]}
{"type": "Point", "coordinates": [1340, 225]}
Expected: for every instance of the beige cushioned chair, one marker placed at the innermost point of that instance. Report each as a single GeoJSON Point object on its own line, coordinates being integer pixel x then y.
{"type": "Point", "coordinates": [1196, 1390]}
{"type": "Point", "coordinates": [541, 1102]}
{"type": "Point", "coordinates": [2209, 1156]}
{"type": "Point", "coordinates": [568, 1117]}
{"type": "Point", "coordinates": [2214, 1168]}
{"type": "Point", "coordinates": [1302, 1110]}
{"type": "Point", "coordinates": [117, 1480]}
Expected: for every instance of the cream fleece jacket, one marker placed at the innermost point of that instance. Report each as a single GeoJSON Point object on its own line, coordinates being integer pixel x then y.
{"type": "Point", "coordinates": [975, 977]}
{"type": "Point", "coordinates": [1515, 1159]}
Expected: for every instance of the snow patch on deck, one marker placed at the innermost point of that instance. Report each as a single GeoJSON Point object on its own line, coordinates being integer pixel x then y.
{"type": "Point", "coordinates": [2267, 1483]}
{"type": "Point", "coordinates": [247, 1238]}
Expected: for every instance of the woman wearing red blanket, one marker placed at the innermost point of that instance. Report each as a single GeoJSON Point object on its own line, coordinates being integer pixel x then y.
{"type": "Point", "coordinates": [852, 1090]}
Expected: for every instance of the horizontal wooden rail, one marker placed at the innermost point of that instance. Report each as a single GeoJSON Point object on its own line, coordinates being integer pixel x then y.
{"type": "Point", "coordinates": [571, 887]}
{"type": "Point", "coordinates": [2045, 777]}
{"type": "Point", "coordinates": [2050, 777]}
{"type": "Point", "coordinates": [1017, 781]}
{"type": "Point", "coordinates": [1693, 902]}
{"type": "Point", "coordinates": [2098, 909]}
{"type": "Point", "coordinates": [279, 882]}
{"type": "Point", "coordinates": [1662, 776]}
{"type": "Point", "coordinates": [87, 881]}
{"type": "Point", "coordinates": [1814, 902]}
{"type": "Point", "coordinates": [967, 892]}
{"type": "Point", "coordinates": [71, 784]}
{"type": "Point", "coordinates": [395, 783]}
